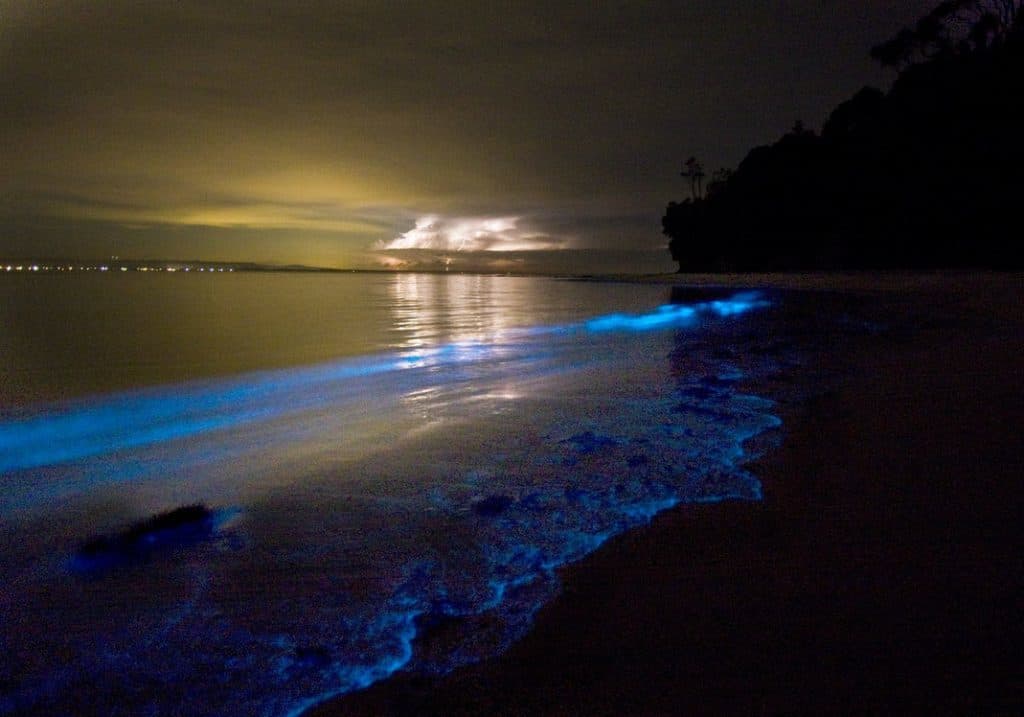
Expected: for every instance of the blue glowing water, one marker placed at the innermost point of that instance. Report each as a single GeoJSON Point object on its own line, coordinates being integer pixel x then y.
{"type": "Point", "coordinates": [443, 475]}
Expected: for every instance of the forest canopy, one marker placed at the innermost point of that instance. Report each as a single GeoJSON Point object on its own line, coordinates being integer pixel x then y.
{"type": "Point", "coordinates": [926, 175]}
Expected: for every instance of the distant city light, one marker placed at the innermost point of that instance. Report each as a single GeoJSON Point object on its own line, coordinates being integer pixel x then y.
{"type": "Point", "coordinates": [130, 266]}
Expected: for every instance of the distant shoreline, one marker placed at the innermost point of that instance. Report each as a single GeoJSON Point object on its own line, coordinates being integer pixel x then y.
{"type": "Point", "coordinates": [72, 266]}
{"type": "Point", "coordinates": [868, 280]}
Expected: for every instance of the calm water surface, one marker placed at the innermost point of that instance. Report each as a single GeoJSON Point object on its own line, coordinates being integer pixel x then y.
{"type": "Point", "coordinates": [67, 335]}
{"type": "Point", "coordinates": [381, 452]}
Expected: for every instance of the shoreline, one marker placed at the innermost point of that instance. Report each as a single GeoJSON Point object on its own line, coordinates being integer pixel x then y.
{"type": "Point", "coordinates": [879, 573]}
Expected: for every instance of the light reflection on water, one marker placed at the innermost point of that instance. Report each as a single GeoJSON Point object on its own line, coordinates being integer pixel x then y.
{"type": "Point", "coordinates": [429, 310]}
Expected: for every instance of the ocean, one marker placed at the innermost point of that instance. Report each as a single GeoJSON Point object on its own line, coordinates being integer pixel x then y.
{"type": "Point", "coordinates": [395, 465]}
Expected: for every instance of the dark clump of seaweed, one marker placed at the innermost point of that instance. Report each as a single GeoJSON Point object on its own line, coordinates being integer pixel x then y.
{"type": "Point", "coordinates": [182, 526]}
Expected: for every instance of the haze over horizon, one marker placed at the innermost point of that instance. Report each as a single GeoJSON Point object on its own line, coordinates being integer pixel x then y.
{"type": "Point", "coordinates": [369, 135]}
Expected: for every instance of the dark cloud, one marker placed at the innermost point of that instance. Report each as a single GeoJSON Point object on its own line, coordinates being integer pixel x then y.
{"type": "Point", "coordinates": [316, 118]}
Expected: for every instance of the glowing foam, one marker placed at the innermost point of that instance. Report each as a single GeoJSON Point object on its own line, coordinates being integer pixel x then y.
{"type": "Point", "coordinates": [122, 421]}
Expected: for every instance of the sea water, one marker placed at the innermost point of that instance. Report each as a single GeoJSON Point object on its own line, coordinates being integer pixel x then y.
{"type": "Point", "coordinates": [385, 455]}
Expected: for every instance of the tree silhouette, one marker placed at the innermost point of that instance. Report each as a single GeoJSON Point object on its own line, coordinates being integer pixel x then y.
{"type": "Point", "coordinates": [719, 179]}
{"type": "Point", "coordinates": [897, 52]}
{"type": "Point", "coordinates": [694, 171]}
{"type": "Point", "coordinates": [925, 175]}
{"type": "Point", "coordinates": [954, 27]}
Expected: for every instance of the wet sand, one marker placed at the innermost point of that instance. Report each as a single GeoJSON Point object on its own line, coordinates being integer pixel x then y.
{"type": "Point", "coordinates": [881, 574]}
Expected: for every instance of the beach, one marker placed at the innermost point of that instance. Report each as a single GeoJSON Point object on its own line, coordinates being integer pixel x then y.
{"type": "Point", "coordinates": [881, 573]}
{"type": "Point", "coordinates": [630, 495]}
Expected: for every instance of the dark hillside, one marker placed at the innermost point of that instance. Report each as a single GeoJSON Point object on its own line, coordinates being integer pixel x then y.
{"type": "Point", "coordinates": [927, 175]}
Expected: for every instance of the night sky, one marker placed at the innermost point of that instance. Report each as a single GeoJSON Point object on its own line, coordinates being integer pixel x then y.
{"type": "Point", "coordinates": [370, 134]}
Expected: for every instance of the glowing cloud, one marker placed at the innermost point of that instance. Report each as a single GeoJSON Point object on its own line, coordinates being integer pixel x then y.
{"type": "Point", "coordinates": [471, 234]}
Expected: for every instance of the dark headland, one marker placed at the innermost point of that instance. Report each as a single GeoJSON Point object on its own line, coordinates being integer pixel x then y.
{"type": "Point", "coordinates": [925, 175]}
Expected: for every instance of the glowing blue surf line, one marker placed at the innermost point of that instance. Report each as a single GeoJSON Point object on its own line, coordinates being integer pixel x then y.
{"type": "Point", "coordinates": [128, 420]}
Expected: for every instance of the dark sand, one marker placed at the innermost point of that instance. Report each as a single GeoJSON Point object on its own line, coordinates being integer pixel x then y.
{"type": "Point", "coordinates": [881, 574]}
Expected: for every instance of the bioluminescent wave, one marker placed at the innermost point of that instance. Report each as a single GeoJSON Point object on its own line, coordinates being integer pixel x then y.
{"type": "Point", "coordinates": [138, 419]}
{"type": "Point", "coordinates": [359, 502]}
